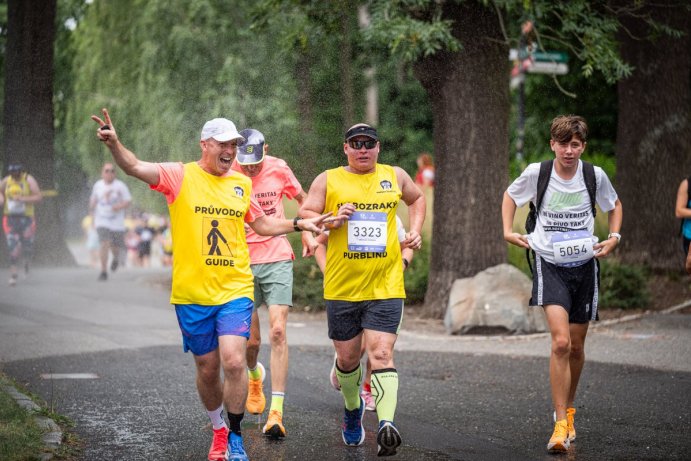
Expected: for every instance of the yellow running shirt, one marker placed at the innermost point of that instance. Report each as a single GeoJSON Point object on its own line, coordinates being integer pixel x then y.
{"type": "Point", "coordinates": [17, 189]}
{"type": "Point", "coordinates": [211, 263]}
{"type": "Point", "coordinates": [363, 259]}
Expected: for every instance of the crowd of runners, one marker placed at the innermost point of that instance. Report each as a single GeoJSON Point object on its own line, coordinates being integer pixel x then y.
{"type": "Point", "coordinates": [227, 230]}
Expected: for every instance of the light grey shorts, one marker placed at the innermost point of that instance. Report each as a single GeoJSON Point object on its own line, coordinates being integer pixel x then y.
{"type": "Point", "coordinates": [273, 283]}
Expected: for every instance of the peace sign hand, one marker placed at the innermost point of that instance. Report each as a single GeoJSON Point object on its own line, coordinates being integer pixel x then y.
{"type": "Point", "coordinates": [106, 131]}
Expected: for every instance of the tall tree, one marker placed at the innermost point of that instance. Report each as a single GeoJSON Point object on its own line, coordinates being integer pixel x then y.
{"type": "Point", "coordinates": [469, 94]}
{"type": "Point", "coordinates": [28, 114]}
{"type": "Point", "coordinates": [654, 131]}
{"type": "Point", "coordinates": [459, 50]}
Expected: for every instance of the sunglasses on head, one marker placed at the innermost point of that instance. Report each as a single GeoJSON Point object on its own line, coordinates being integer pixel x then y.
{"type": "Point", "coordinates": [369, 144]}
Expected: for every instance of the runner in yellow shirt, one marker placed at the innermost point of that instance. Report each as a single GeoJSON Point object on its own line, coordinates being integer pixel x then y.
{"type": "Point", "coordinates": [363, 278]}
{"type": "Point", "coordinates": [212, 286]}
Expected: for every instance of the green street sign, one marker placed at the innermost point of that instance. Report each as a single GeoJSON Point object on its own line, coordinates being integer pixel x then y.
{"type": "Point", "coordinates": [550, 56]}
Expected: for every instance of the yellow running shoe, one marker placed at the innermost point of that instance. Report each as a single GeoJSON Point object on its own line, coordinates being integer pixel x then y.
{"type": "Point", "coordinates": [256, 401]}
{"type": "Point", "coordinates": [274, 425]}
{"type": "Point", "coordinates": [559, 442]}
{"type": "Point", "coordinates": [570, 412]}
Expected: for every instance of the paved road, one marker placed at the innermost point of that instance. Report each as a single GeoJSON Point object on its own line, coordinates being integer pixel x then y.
{"type": "Point", "coordinates": [461, 398]}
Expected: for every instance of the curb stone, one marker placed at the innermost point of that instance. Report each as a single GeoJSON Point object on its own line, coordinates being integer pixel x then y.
{"type": "Point", "coordinates": [52, 436]}
{"type": "Point", "coordinates": [594, 325]}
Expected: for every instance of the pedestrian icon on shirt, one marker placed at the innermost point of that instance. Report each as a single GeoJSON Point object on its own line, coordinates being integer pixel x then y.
{"type": "Point", "coordinates": [212, 240]}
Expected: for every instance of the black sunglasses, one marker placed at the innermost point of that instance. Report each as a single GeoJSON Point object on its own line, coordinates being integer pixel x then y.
{"type": "Point", "coordinates": [358, 144]}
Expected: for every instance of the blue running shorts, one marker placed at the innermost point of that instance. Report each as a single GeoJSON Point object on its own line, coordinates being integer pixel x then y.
{"type": "Point", "coordinates": [202, 325]}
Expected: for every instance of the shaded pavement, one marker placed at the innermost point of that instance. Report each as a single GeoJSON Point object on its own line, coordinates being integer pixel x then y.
{"type": "Point", "coordinates": [114, 354]}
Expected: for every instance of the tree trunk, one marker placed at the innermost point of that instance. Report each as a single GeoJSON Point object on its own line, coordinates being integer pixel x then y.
{"type": "Point", "coordinates": [469, 93]}
{"type": "Point", "coordinates": [345, 60]}
{"type": "Point", "coordinates": [654, 139]}
{"type": "Point", "coordinates": [28, 115]}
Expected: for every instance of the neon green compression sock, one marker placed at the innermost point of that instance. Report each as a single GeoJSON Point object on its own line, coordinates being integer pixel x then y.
{"type": "Point", "coordinates": [385, 392]}
{"type": "Point", "coordinates": [350, 386]}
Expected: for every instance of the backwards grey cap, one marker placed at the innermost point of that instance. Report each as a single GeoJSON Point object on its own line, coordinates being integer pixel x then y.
{"type": "Point", "coordinates": [251, 150]}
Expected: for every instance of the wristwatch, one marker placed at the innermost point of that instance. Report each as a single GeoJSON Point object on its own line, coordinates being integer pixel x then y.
{"type": "Point", "coordinates": [295, 223]}
{"type": "Point", "coordinates": [616, 235]}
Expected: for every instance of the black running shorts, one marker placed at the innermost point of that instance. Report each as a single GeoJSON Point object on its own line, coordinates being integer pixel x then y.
{"type": "Point", "coordinates": [347, 319]}
{"type": "Point", "coordinates": [573, 288]}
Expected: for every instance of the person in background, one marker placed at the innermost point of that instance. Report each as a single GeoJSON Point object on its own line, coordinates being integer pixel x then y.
{"type": "Point", "coordinates": [271, 261]}
{"type": "Point", "coordinates": [683, 211]}
{"type": "Point", "coordinates": [425, 170]}
{"type": "Point", "coordinates": [19, 192]}
{"type": "Point", "coordinates": [110, 197]}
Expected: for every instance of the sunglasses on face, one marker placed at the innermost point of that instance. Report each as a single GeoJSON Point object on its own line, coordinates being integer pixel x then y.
{"type": "Point", "coordinates": [109, 171]}
{"type": "Point", "coordinates": [358, 144]}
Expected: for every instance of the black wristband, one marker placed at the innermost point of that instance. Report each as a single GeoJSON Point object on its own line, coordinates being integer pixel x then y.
{"type": "Point", "coordinates": [406, 263]}
{"type": "Point", "coordinates": [295, 223]}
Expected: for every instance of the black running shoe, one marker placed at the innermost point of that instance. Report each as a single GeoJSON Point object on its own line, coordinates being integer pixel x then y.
{"type": "Point", "coordinates": [103, 277]}
{"type": "Point", "coordinates": [388, 439]}
{"type": "Point", "coordinates": [114, 265]}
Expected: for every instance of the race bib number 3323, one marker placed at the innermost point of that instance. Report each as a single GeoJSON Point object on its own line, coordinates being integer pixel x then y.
{"type": "Point", "coordinates": [367, 232]}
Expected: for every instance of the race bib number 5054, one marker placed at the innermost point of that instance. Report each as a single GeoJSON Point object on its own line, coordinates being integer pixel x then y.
{"type": "Point", "coordinates": [572, 248]}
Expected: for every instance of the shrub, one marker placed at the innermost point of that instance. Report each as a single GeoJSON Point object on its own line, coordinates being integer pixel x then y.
{"type": "Point", "coordinates": [622, 286]}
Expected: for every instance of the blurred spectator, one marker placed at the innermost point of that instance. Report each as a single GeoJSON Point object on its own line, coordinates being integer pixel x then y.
{"type": "Point", "coordinates": [425, 170]}
{"type": "Point", "coordinates": [91, 240]}
{"type": "Point", "coordinates": [683, 211]}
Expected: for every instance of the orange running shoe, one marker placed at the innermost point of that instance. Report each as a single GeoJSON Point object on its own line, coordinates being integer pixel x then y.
{"type": "Point", "coordinates": [274, 425]}
{"type": "Point", "coordinates": [256, 401]}
{"type": "Point", "coordinates": [219, 445]}
{"type": "Point", "coordinates": [570, 413]}
{"type": "Point", "coordinates": [559, 442]}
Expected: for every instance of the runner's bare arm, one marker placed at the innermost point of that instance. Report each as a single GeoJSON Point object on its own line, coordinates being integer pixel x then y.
{"type": "Point", "coordinates": [417, 208]}
{"type": "Point", "coordinates": [681, 210]}
{"type": "Point", "coordinates": [268, 225]}
{"type": "Point", "coordinates": [508, 212]}
{"type": "Point", "coordinates": [309, 243]}
{"type": "Point", "coordinates": [130, 164]}
{"type": "Point", "coordinates": [615, 218]}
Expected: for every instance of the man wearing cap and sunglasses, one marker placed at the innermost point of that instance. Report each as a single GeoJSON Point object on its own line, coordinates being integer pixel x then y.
{"type": "Point", "coordinates": [363, 278]}
{"type": "Point", "coordinates": [271, 261]}
{"type": "Point", "coordinates": [212, 288]}
{"type": "Point", "coordinates": [19, 192]}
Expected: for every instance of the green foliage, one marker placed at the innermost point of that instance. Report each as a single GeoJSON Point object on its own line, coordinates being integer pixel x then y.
{"type": "Point", "coordinates": [20, 436]}
{"type": "Point", "coordinates": [416, 276]}
{"type": "Point", "coordinates": [410, 29]}
{"type": "Point", "coordinates": [623, 286]}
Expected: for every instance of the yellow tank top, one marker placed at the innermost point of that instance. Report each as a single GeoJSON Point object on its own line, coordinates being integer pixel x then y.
{"type": "Point", "coordinates": [14, 189]}
{"type": "Point", "coordinates": [363, 259]}
{"type": "Point", "coordinates": [211, 263]}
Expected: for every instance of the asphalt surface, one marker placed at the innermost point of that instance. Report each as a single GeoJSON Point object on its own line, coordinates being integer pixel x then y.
{"type": "Point", "coordinates": [460, 398]}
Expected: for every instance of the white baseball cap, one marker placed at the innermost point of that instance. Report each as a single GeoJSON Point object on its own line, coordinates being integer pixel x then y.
{"type": "Point", "coordinates": [221, 129]}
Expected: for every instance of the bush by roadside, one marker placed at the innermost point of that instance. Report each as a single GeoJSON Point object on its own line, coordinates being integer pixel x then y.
{"type": "Point", "coordinates": [21, 436]}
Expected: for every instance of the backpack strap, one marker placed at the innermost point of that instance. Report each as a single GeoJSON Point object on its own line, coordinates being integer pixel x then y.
{"type": "Point", "coordinates": [542, 183]}
{"type": "Point", "coordinates": [590, 184]}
